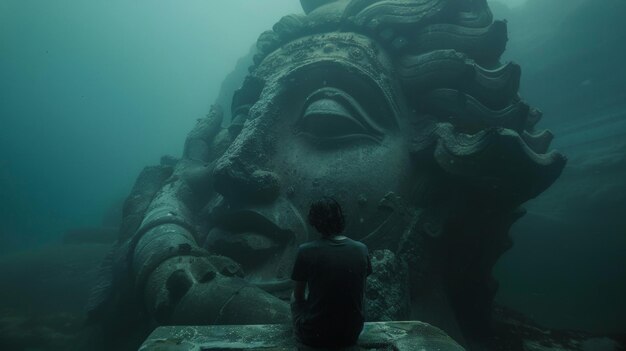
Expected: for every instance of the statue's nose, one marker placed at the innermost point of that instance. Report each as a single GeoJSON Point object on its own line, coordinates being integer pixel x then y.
{"type": "Point", "coordinates": [241, 182]}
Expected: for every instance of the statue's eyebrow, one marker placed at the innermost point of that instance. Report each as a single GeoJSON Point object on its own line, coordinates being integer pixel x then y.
{"type": "Point", "coordinates": [374, 95]}
{"type": "Point", "coordinates": [338, 103]}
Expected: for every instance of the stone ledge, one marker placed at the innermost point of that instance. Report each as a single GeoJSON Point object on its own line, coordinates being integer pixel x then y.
{"type": "Point", "coordinates": [398, 336]}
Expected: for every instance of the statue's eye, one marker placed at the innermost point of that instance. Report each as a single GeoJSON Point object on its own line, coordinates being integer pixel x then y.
{"type": "Point", "coordinates": [330, 113]}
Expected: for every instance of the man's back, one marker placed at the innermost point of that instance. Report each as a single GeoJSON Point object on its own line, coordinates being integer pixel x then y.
{"type": "Point", "coordinates": [335, 270]}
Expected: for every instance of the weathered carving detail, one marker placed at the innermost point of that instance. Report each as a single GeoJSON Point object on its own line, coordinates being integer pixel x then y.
{"type": "Point", "coordinates": [398, 108]}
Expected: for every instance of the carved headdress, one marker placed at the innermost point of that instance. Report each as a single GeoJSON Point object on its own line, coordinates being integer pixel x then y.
{"type": "Point", "coordinates": [447, 57]}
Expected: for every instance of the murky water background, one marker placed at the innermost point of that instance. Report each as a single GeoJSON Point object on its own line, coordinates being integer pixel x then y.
{"type": "Point", "coordinates": [91, 92]}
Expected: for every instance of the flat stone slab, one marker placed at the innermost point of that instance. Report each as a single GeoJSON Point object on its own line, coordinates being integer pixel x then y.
{"type": "Point", "coordinates": [416, 336]}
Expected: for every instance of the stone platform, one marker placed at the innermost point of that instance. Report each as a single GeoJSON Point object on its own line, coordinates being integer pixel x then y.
{"type": "Point", "coordinates": [398, 336]}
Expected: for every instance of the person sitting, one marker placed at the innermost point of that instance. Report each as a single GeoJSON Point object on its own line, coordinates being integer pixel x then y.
{"type": "Point", "coordinates": [334, 268]}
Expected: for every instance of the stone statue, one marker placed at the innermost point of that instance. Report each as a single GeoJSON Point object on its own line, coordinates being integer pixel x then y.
{"type": "Point", "coordinates": [400, 109]}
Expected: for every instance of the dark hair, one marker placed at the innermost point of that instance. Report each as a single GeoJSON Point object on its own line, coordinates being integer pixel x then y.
{"type": "Point", "coordinates": [326, 216]}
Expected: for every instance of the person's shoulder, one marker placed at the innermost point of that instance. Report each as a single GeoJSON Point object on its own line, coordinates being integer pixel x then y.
{"type": "Point", "coordinates": [309, 245]}
{"type": "Point", "coordinates": [358, 243]}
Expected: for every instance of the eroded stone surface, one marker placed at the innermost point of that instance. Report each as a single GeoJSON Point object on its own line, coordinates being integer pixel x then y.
{"type": "Point", "coordinates": [375, 336]}
{"type": "Point", "coordinates": [402, 111]}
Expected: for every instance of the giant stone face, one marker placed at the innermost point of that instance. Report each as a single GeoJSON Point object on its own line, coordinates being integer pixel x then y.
{"type": "Point", "coordinates": [332, 122]}
{"type": "Point", "coordinates": [402, 111]}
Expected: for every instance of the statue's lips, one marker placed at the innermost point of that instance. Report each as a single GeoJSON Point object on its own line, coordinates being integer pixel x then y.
{"type": "Point", "coordinates": [250, 221]}
{"type": "Point", "coordinates": [250, 238]}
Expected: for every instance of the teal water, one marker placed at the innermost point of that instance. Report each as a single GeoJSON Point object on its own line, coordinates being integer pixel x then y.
{"type": "Point", "coordinates": [91, 92]}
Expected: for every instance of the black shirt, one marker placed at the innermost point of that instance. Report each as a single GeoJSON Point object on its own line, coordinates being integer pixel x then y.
{"type": "Point", "coordinates": [335, 271]}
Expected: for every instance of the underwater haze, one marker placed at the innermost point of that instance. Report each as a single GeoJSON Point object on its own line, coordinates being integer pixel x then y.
{"type": "Point", "coordinates": [91, 92]}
